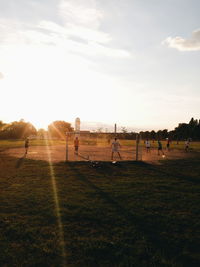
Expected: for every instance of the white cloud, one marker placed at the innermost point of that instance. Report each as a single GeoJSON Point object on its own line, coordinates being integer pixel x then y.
{"type": "Point", "coordinates": [71, 38]}
{"type": "Point", "coordinates": [192, 44]}
{"type": "Point", "coordinates": [72, 30]}
{"type": "Point", "coordinates": [82, 18]}
{"type": "Point", "coordinates": [81, 12]}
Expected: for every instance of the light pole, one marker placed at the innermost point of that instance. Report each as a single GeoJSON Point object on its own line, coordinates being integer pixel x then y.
{"type": "Point", "coordinates": [115, 129]}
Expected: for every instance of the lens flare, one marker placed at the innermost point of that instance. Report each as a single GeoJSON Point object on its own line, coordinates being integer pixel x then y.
{"type": "Point", "coordinates": [57, 205]}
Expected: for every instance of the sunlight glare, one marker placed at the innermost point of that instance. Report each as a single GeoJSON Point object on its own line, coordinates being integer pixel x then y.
{"type": "Point", "coordinates": [57, 205]}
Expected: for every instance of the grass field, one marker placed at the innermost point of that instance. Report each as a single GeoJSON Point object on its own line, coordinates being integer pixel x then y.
{"type": "Point", "coordinates": [4, 144]}
{"type": "Point", "coordinates": [131, 214]}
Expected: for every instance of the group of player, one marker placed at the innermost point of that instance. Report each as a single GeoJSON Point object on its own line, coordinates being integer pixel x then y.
{"type": "Point", "coordinates": [115, 146]}
{"type": "Point", "coordinates": [160, 147]}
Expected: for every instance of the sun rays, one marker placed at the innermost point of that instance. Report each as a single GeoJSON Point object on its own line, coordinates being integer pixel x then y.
{"type": "Point", "coordinates": [57, 204]}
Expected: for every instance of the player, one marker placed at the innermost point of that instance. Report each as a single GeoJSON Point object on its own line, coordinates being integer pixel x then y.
{"type": "Point", "coordinates": [187, 142]}
{"type": "Point", "coordinates": [26, 145]}
{"type": "Point", "coordinates": [148, 145]}
{"type": "Point", "coordinates": [115, 148]}
{"type": "Point", "coordinates": [168, 144]}
{"type": "Point", "coordinates": [160, 148]}
{"type": "Point", "coordinates": [76, 145]}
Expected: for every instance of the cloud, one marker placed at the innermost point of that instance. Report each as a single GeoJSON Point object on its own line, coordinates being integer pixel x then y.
{"type": "Point", "coordinates": [78, 39]}
{"type": "Point", "coordinates": [1, 75]}
{"type": "Point", "coordinates": [76, 28]}
{"type": "Point", "coordinates": [82, 18]}
{"type": "Point", "coordinates": [81, 12]}
{"type": "Point", "coordinates": [71, 38]}
{"type": "Point", "coordinates": [181, 44]}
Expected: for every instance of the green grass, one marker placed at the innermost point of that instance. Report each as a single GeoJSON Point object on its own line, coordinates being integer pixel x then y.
{"type": "Point", "coordinates": [194, 146]}
{"type": "Point", "coordinates": [133, 214]}
{"type": "Point", "coordinates": [9, 143]}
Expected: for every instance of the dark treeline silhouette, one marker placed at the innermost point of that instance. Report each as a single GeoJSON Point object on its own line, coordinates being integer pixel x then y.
{"type": "Point", "coordinates": [21, 130]}
{"type": "Point", "coordinates": [57, 129]}
{"type": "Point", "coordinates": [184, 131]}
{"type": "Point", "coordinates": [16, 130]}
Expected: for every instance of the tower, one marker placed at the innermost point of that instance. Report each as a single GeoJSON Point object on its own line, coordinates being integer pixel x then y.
{"type": "Point", "coordinates": [77, 126]}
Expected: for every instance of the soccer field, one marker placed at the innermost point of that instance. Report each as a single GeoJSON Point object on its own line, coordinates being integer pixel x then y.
{"type": "Point", "coordinates": [95, 150]}
{"type": "Point", "coordinates": [72, 214]}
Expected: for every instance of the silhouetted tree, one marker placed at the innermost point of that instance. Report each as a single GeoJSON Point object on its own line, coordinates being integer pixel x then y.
{"type": "Point", "coordinates": [18, 130]}
{"type": "Point", "coordinates": [58, 129]}
{"type": "Point", "coordinates": [2, 125]}
{"type": "Point", "coordinates": [41, 133]}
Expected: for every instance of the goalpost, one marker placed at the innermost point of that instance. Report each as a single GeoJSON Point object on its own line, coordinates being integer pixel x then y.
{"type": "Point", "coordinates": [98, 149]}
{"type": "Point", "coordinates": [138, 148]}
{"type": "Point", "coordinates": [97, 146]}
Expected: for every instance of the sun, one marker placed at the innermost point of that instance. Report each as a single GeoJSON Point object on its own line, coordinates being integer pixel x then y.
{"type": "Point", "coordinates": [48, 84]}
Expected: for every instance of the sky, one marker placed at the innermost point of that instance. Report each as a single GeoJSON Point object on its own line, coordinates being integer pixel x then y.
{"type": "Point", "coordinates": [131, 62]}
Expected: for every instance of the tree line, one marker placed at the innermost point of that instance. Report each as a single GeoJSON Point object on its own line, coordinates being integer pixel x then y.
{"type": "Point", "coordinates": [21, 130]}
{"type": "Point", "coordinates": [183, 131]}
{"type": "Point", "coordinates": [57, 129]}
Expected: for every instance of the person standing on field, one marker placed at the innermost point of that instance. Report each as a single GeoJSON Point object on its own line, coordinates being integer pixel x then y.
{"type": "Point", "coordinates": [26, 145]}
{"type": "Point", "coordinates": [76, 145]}
{"type": "Point", "coordinates": [115, 148]}
{"type": "Point", "coordinates": [168, 144]}
{"type": "Point", "coordinates": [148, 145]}
{"type": "Point", "coordinates": [160, 148]}
{"type": "Point", "coordinates": [187, 142]}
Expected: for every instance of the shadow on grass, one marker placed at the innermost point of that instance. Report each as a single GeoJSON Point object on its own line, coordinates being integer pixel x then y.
{"type": "Point", "coordinates": [161, 249]}
{"type": "Point", "coordinates": [146, 229]}
{"type": "Point", "coordinates": [175, 174]}
{"type": "Point", "coordinates": [20, 161]}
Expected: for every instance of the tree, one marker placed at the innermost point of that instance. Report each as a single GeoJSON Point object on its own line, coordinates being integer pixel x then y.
{"type": "Point", "coordinates": [58, 129]}
{"type": "Point", "coordinates": [18, 129]}
{"type": "Point", "coordinates": [164, 134]}
{"type": "Point", "coordinates": [99, 132]}
{"type": "Point", "coordinates": [124, 134]}
{"type": "Point", "coordinates": [124, 130]}
{"type": "Point", "coordinates": [41, 133]}
{"type": "Point", "coordinates": [153, 135]}
{"type": "Point", "coordinates": [2, 125]}
{"type": "Point", "coordinates": [193, 122]}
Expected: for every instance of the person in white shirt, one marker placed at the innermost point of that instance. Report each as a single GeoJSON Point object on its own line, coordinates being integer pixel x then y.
{"type": "Point", "coordinates": [148, 145]}
{"type": "Point", "coordinates": [115, 148]}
